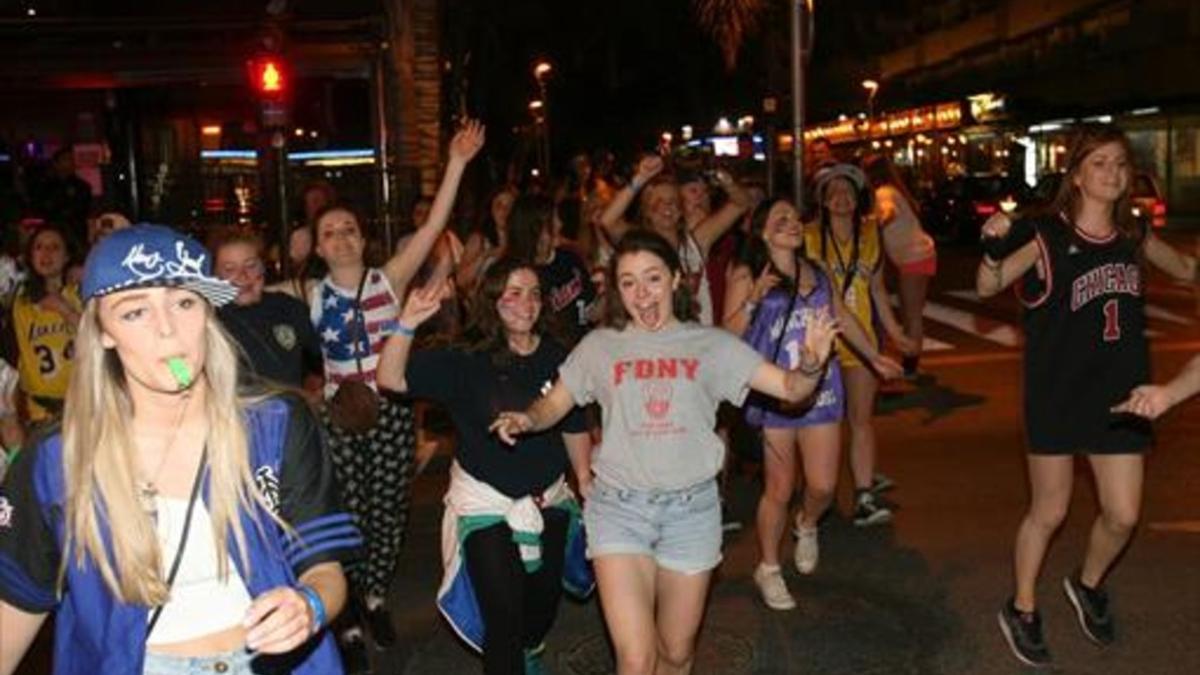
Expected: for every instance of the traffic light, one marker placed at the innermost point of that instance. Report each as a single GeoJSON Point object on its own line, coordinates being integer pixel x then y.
{"type": "Point", "coordinates": [268, 76]}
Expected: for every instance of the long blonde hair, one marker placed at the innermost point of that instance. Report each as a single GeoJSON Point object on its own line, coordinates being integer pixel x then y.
{"type": "Point", "coordinates": [99, 460]}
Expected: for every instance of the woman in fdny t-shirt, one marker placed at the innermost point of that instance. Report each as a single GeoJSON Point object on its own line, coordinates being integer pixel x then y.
{"type": "Point", "coordinates": [505, 361]}
{"type": "Point", "coordinates": [652, 514]}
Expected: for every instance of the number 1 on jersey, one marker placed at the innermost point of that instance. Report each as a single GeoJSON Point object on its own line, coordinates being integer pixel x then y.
{"type": "Point", "coordinates": [1112, 323]}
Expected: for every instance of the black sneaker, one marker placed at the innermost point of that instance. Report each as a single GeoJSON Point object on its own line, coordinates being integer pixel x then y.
{"type": "Point", "coordinates": [379, 622]}
{"type": "Point", "coordinates": [870, 510]}
{"type": "Point", "coordinates": [1023, 633]}
{"type": "Point", "coordinates": [354, 655]}
{"type": "Point", "coordinates": [1091, 608]}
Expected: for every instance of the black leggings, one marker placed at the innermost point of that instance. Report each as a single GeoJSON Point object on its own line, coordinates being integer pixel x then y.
{"type": "Point", "coordinates": [518, 608]}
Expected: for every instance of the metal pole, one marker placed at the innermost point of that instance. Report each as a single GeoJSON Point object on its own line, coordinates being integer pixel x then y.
{"type": "Point", "coordinates": [382, 156]}
{"type": "Point", "coordinates": [798, 7]}
{"type": "Point", "coordinates": [279, 157]}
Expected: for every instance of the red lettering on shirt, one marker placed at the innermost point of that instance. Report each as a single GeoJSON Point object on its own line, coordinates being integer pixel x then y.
{"type": "Point", "coordinates": [655, 369]}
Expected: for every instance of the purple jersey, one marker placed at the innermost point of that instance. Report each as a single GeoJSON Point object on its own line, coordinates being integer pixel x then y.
{"type": "Point", "coordinates": [773, 335]}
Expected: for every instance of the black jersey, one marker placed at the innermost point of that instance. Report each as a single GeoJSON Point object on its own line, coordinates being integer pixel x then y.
{"type": "Point", "coordinates": [1085, 341]}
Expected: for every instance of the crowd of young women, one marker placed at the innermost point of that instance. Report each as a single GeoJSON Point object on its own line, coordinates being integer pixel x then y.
{"type": "Point", "coordinates": [231, 504]}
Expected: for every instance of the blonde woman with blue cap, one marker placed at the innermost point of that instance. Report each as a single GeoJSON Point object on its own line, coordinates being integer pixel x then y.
{"type": "Point", "coordinates": [172, 525]}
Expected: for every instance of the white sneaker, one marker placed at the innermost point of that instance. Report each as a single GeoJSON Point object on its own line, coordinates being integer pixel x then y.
{"type": "Point", "coordinates": [807, 550]}
{"type": "Point", "coordinates": [773, 588]}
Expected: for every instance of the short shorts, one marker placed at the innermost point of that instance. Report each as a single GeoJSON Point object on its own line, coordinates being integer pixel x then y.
{"type": "Point", "coordinates": [679, 529]}
{"type": "Point", "coordinates": [920, 268]}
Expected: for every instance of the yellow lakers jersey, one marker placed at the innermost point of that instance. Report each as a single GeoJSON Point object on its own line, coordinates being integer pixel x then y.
{"type": "Point", "coordinates": [46, 344]}
{"type": "Point", "coordinates": [850, 271]}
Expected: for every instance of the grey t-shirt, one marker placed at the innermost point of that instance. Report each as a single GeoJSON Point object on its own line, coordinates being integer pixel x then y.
{"type": "Point", "coordinates": [659, 393]}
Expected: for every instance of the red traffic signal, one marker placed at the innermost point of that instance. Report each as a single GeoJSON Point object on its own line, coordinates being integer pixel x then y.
{"type": "Point", "coordinates": [268, 76]}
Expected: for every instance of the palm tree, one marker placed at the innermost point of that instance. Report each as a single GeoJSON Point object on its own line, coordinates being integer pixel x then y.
{"type": "Point", "coordinates": [729, 23]}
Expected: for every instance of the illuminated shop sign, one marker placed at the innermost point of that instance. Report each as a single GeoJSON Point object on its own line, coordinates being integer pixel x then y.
{"type": "Point", "coordinates": [988, 107]}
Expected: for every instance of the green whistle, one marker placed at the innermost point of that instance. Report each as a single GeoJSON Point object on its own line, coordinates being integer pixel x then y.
{"type": "Point", "coordinates": [180, 370]}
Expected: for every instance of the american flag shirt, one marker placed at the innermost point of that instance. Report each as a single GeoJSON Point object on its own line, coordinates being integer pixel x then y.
{"type": "Point", "coordinates": [342, 340]}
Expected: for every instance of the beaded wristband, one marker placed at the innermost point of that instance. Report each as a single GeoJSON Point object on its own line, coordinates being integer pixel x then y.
{"type": "Point", "coordinates": [405, 330]}
{"type": "Point", "coordinates": [315, 604]}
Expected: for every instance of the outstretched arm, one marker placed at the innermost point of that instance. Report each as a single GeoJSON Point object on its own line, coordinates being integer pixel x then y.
{"type": "Point", "coordinates": [543, 414]}
{"type": "Point", "coordinates": [1181, 267]}
{"type": "Point", "coordinates": [797, 384]}
{"type": "Point", "coordinates": [856, 336]}
{"type": "Point", "coordinates": [401, 268]}
{"type": "Point", "coordinates": [1152, 400]}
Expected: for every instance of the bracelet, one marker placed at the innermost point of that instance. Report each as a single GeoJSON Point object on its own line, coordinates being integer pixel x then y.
{"type": "Point", "coordinates": [989, 263]}
{"type": "Point", "coordinates": [315, 604]}
{"type": "Point", "coordinates": [405, 330]}
{"type": "Point", "coordinates": [635, 184]}
{"type": "Point", "coordinates": [748, 306]}
{"type": "Point", "coordinates": [810, 371]}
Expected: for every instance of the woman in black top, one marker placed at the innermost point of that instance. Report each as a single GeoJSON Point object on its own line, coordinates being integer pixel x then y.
{"type": "Point", "coordinates": [566, 284]}
{"type": "Point", "coordinates": [505, 360]}
{"type": "Point", "coordinates": [1080, 274]}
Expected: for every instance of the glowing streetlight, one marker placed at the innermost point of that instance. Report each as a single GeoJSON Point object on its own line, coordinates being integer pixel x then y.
{"type": "Point", "coordinates": [872, 88]}
{"type": "Point", "coordinates": [536, 106]}
{"type": "Point", "coordinates": [541, 69]}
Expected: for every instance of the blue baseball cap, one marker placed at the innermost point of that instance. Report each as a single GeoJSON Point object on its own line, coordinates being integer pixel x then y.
{"type": "Point", "coordinates": [147, 255]}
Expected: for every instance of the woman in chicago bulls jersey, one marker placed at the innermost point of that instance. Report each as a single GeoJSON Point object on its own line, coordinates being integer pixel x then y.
{"type": "Point", "coordinates": [505, 360]}
{"type": "Point", "coordinates": [1078, 273]}
{"type": "Point", "coordinates": [653, 516]}
{"type": "Point", "coordinates": [773, 293]}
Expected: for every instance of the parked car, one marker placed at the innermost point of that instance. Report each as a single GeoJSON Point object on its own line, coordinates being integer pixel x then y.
{"type": "Point", "coordinates": [958, 207]}
{"type": "Point", "coordinates": [1149, 206]}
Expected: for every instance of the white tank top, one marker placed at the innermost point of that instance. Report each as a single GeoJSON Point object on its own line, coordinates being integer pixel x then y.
{"type": "Point", "coordinates": [200, 603]}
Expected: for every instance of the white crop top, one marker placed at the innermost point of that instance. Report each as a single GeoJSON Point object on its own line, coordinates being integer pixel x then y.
{"type": "Point", "coordinates": [200, 604]}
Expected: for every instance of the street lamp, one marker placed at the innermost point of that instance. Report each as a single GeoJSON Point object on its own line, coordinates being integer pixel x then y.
{"type": "Point", "coordinates": [872, 88]}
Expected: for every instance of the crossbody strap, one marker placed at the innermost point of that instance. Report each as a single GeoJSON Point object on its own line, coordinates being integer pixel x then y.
{"type": "Point", "coordinates": [361, 320]}
{"type": "Point", "coordinates": [187, 526]}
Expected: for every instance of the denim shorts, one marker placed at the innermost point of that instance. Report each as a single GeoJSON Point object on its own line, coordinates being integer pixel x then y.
{"type": "Point", "coordinates": [236, 662]}
{"type": "Point", "coordinates": [680, 529]}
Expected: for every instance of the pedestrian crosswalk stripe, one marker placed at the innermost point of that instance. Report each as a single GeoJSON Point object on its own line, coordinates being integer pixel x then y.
{"type": "Point", "coordinates": [993, 331]}
{"type": "Point", "coordinates": [1156, 312]}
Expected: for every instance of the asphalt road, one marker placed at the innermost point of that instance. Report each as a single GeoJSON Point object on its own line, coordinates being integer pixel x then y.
{"type": "Point", "coordinates": [918, 596]}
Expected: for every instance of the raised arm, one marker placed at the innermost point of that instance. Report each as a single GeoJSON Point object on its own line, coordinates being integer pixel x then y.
{"type": "Point", "coordinates": [709, 230]}
{"type": "Point", "coordinates": [1181, 267]}
{"type": "Point", "coordinates": [401, 268]}
{"type": "Point", "coordinates": [993, 276]}
{"type": "Point", "coordinates": [612, 220]}
{"type": "Point", "coordinates": [743, 292]}
{"type": "Point", "coordinates": [422, 303]}
{"type": "Point", "coordinates": [797, 384]}
{"type": "Point", "coordinates": [543, 414]}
